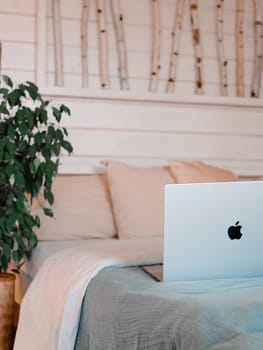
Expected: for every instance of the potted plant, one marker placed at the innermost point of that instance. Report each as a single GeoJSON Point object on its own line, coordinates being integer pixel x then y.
{"type": "Point", "coordinates": [31, 141]}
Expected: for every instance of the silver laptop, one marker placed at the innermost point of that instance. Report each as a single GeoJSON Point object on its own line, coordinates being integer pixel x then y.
{"type": "Point", "coordinates": [213, 230]}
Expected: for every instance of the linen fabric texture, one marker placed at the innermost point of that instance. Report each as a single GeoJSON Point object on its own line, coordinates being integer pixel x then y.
{"type": "Point", "coordinates": [191, 172]}
{"type": "Point", "coordinates": [137, 196]}
{"type": "Point", "coordinates": [82, 209]}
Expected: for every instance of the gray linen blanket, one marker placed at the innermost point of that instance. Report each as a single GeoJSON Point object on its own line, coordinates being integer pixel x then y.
{"type": "Point", "coordinates": [125, 309]}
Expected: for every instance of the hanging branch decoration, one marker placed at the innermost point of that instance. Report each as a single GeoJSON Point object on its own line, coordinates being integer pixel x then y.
{"type": "Point", "coordinates": [176, 35]}
{"type": "Point", "coordinates": [194, 19]}
{"type": "Point", "coordinates": [84, 43]}
{"type": "Point", "coordinates": [220, 47]}
{"type": "Point", "coordinates": [258, 49]}
{"type": "Point", "coordinates": [117, 17]}
{"type": "Point", "coordinates": [156, 45]}
{"type": "Point", "coordinates": [59, 79]}
{"type": "Point", "coordinates": [240, 49]}
{"type": "Point", "coordinates": [102, 37]}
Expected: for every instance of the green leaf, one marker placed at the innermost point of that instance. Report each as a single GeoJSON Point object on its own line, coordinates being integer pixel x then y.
{"type": "Point", "coordinates": [16, 256]}
{"type": "Point", "coordinates": [30, 118]}
{"type": "Point", "coordinates": [67, 146]}
{"type": "Point", "coordinates": [14, 98]}
{"type": "Point", "coordinates": [43, 116]}
{"type": "Point", "coordinates": [2, 143]}
{"type": "Point", "coordinates": [20, 242]}
{"type": "Point", "coordinates": [56, 149]}
{"type": "Point", "coordinates": [32, 90]}
{"type": "Point", "coordinates": [57, 114]}
{"type": "Point", "coordinates": [51, 132]}
{"type": "Point", "coordinates": [48, 212]}
{"type": "Point", "coordinates": [65, 131]}
{"type": "Point", "coordinates": [7, 80]}
{"type": "Point", "coordinates": [10, 146]}
{"type": "Point", "coordinates": [3, 109]}
{"type": "Point", "coordinates": [6, 251]}
{"type": "Point", "coordinates": [19, 179]}
{"type": "Point", "coordinates": [48, 195]}
{"type": "Point", "coordinates": [10, 223]}
{"type": "Point", "coordinates": [4, 91]}
{"type": "Point", "coordinates": [64, 109]}
{"type": "Point", "coordinates": [20, 205]}
{"type": "Point", "coordinates": [3, 263]}
{"type": "Point", "coordinates": [32, 239]}
{"type": "Point", "coordinates": [37, 221]}
{"type": "Point", "coordinates": [23, 128]}
{"type": "Point", "coordinates": [59, 135]}
{"type": "Point", "coordinates": [11, 131]}
{"type": "Point", "coordinates": [20, 115]}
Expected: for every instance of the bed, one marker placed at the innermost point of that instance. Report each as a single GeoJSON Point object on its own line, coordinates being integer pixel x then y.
{"type": "Point", "coordinates": [93, 294]}
{"type": "Point", "coordinates": [124, 308]}
{"type": "Point", "coordinates": [88, 290]}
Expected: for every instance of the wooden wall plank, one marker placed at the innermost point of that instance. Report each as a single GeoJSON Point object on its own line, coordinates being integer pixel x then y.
{"type": "Point", "coordinates": [125, 116]}
{"type": "Point", "coordinates": [24, 28]}
{"type": "Point", "coordinates": [149, 144]}
{"type": "Point", "coordinates": [89, 165]}
{"type": "Point", "coordinates": [18, 7]}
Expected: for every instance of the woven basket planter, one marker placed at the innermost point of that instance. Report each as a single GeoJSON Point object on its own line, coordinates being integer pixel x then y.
{"type": "Point", "coordinates": [7, 294]}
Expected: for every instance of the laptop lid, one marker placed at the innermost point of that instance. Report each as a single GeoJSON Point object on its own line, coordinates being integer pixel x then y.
{"type": "Point", "coordinates": [213, 230]}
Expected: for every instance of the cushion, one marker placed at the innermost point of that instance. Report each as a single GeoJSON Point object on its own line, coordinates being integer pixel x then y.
{"type": "Point", "coordinates": [187, 172]}
{"type": "Point", "coordinates": [137, 198]}
{"type": "Point", "coordinates": [82, 209]}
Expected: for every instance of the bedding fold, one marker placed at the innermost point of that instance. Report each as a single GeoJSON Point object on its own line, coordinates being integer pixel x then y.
{"type": "Point", "coordinates": [50, 310]}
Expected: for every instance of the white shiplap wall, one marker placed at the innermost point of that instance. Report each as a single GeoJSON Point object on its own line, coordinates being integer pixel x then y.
{"type": "Point", "coordinates": [136, 126]}
{"type": "Point", "coordinates": [17, 34]}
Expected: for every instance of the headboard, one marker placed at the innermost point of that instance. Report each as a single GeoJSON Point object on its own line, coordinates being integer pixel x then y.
{"type": "Point", "coordinates": [147, 130]}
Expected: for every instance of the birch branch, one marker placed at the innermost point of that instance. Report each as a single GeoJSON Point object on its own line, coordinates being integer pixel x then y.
{"type": "Point", "coordinates": [102, 37]}
{"type": "Point", "coordinates": [258, 49]}
{"type": "Point", "coordinates": [176, 35]}
{"type": "Point", "coordinates": [117, 17]}
{"type": "Point", "coordinates": [194, 19]}
{"type": "Point", "coordinates": [84, 43]}
{"type": "Point", "coordinates": [240, 49]}
{"type": "Point", "coordinates": [58, 50]}
{"type": "Point", "coordinates": [156, 30]}
{"type": "Point", "coordinates": [220, 47]}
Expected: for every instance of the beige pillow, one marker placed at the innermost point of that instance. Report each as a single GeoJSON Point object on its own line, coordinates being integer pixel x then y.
{"type": "Point", "coordinates": [137, 197]}
{"type": "Point", "coordinates": [187, 172]}
{"type": "Point", "coordinates": [82, 209]}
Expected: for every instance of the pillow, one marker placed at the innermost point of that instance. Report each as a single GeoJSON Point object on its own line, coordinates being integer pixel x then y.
{"type": "Point", "coordinates": [186, 172]}
{"type": "Point", "coordinates": [82, 209]}
{"type": "Point", "coordinates": [137, 197]}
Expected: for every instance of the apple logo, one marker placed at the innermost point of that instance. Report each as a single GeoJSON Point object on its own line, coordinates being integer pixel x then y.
{"type": "Point", "coordinates": [234, 231]}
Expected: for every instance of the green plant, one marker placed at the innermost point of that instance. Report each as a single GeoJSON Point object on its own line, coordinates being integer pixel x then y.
{"type": "Point", "coordinates": [31, 141]}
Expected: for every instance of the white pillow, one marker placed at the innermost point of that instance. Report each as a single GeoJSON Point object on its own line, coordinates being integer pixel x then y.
{"type": "Point", "coordinates": [137, 196]}
{"type": "Point", "coordinates": [82, 209]}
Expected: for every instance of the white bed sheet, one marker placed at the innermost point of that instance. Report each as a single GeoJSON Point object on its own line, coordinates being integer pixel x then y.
{"type": "Point", "coordinates": [45, 249]}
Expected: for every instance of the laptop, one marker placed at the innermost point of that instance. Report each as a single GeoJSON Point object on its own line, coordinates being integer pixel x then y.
{"type": "Point", "coordinates": [212, 230]}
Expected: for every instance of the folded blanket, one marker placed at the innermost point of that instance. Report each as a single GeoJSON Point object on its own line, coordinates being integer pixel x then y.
{"type": "Point", "coordinates": [50, 310]}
